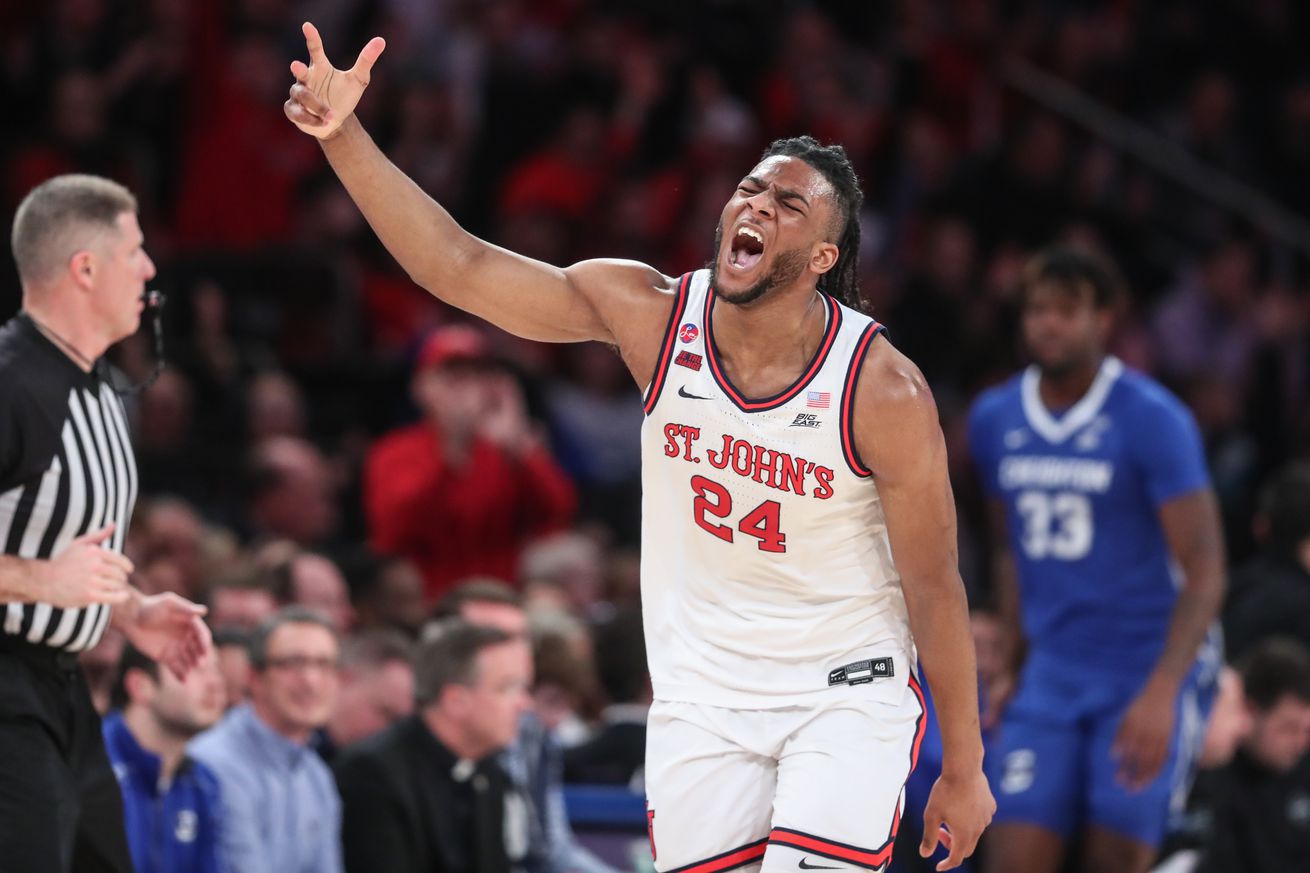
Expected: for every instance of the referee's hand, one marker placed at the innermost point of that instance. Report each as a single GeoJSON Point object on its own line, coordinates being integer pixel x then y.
{"type": "Point", "coordinates": [85, 573]}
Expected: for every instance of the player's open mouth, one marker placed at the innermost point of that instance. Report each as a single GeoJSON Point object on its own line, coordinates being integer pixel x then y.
{"type": "Point", "coordinates": [746, 248]}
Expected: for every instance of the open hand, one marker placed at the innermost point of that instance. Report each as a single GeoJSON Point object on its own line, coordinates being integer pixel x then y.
{"type": "Point", "coordinates": [169, 629]}
{"type": "Point", "coordinates": [323, 97]}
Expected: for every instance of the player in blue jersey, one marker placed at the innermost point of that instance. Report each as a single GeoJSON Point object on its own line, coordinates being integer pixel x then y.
{"type": "Point", "coordinates": [1109, 580]}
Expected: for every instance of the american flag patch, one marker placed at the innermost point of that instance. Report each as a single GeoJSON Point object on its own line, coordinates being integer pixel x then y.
{"type": "Point", "coordinates": [818, 399]}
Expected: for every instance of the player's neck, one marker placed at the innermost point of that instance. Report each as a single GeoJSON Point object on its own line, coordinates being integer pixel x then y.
{"type": "Point", "coordinates": [1062, 390]}
{"type": "Point", "coordinates": [777, 334]}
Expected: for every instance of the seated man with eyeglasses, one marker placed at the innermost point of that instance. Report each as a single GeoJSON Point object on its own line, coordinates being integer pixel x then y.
{"type": "Point", "coordinates": [281, 809]}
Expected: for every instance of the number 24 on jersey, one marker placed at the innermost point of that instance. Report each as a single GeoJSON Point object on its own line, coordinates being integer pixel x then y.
{"type": "Point", "coordinates": [763, 522]}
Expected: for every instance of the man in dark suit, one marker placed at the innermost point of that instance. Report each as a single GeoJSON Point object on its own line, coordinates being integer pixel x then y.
{"type": "Point", "coordinates": [427, 794]}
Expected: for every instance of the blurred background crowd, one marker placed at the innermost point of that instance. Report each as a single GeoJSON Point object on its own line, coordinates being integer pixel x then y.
{"type": "Point", "coordinates": [328, 435]}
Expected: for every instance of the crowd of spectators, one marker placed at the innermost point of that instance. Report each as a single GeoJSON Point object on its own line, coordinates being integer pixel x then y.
{"type": "Point", "coordinates": [327, 436]}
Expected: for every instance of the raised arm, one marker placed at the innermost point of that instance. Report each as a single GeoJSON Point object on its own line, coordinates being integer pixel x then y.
{"type": "Point", "coordinates": [611, 301]}
{"type": "Point", "coordinates": [898, 437]}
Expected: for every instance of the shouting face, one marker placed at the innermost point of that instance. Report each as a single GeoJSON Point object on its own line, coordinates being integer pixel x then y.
{"type": "Point", "coordinates": [775, 229]}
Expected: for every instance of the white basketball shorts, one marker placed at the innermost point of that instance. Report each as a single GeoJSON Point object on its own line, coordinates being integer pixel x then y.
{"type": "Point", "coordinates": [800, 788]}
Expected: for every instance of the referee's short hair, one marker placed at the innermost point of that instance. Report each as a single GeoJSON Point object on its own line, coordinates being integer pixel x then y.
{"type": "Point", "coordinates": [286, 615]}
{"type": "Point", "coordinates": [62, 216]}
{"type": "Point", "coordinates": [447, 655]}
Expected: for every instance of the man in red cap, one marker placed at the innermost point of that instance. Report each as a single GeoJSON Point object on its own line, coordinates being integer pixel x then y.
{"type": "Point", "coordinates": [460, 492]}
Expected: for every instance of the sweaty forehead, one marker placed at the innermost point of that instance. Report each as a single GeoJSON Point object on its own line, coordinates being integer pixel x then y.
{"type": "Point", "coordinates": [795, 174]}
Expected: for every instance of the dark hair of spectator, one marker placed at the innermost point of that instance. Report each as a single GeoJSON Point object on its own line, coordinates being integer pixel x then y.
{"type": "Point", "coordinates": [285, 615]}
{"type": "Point", "coordinates": [374, 648]}
{"type": "Point", "coordinates": [555, 663]}
{"type": "Point", "coordinates": [1275, 668]}
{"type": "Point", "coordinates": [282, 575]}
{"type": "Point", "coordinates": [842, 282]}
{"type": "Point", "coordinates": [447, 655]}
{"type": "Point", "coordinates": [131, 659]}
{"type": "Point", "coordinates": [475, 591]}
{"type": "Point", "coordinates": [244, 577]}
{"type": "Point", "coordinates": [59, 216]}
{"type": "Point", "coordinates": [1073, 270]}
{"type": "Point", "coordinates": [363, 569]}
{"type": "Point", "coordinates": [1285, 504]}
{"type": "Point", "coordinates": [231, 636]}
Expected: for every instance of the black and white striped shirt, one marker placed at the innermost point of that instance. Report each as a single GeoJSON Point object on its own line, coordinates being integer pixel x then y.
{"type": "Point", "coordinates": [66, 468]}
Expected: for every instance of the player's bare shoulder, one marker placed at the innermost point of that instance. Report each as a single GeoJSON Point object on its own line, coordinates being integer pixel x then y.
{"type": "Point", "coordinates": [633, 300]}
{"type": "Point", "coordinates": [894, 410]}
{"type": "Point", "coordinates": [889, 377]}
{"type": "Point", "coordinates": [622, 290]}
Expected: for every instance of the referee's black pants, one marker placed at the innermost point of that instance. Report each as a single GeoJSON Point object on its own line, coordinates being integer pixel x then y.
{"type": "Point", "coordinates": [60, 806]}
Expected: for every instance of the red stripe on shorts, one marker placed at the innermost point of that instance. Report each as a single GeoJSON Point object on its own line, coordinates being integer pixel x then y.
{"type": "Point", "coordinates": [922, 726]}
{"type": "Point", "coordinates": [729, 860]}
{"type": "Point", "coordinates": [872, 858]}
{"type": "Point", "coordinates": [829, 849]}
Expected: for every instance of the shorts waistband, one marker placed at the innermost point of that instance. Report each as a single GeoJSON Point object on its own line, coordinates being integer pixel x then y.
{"type": "Point", "coordinates": [43, 657]}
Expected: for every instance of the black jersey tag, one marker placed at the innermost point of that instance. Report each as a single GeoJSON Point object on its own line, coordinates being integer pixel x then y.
{"type": "Point", "coordinates": [860, 672]}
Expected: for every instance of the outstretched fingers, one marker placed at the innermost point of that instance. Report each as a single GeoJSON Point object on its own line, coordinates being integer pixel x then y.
{"type": "Point", "coordinates": [368, 56]}
{"type": "Point", "coordinates": [314, 43]}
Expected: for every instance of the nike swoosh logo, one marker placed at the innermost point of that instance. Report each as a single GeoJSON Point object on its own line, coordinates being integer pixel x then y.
{"type": "Point", "coordinates": [805, 866]}
{"type": "Point", "coordinates": [682, 392]}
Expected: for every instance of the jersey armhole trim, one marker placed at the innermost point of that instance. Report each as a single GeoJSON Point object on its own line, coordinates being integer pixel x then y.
{"type": "Point", "coordinates": [666, 349]}
{"type": "Point", "coordinates": [852, 382]}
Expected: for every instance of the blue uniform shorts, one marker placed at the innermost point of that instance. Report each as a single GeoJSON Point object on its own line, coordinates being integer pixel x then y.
{"type": "Point", "coordinates": [1050, 762]}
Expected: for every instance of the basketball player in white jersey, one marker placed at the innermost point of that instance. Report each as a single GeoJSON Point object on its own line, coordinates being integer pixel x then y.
{"type": "Point", "coordinates": [799, 531]}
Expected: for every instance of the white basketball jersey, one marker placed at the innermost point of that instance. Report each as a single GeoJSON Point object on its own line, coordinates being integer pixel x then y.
{"type": "Point", "coordinates": [767, 576]}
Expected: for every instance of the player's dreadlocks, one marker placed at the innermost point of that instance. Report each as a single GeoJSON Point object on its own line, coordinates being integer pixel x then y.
{"type": "Point", "coordinates": [842, 281]}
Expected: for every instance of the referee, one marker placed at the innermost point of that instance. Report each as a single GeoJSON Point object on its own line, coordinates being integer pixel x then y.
{"type": "Point", "coordinates": [68, 482]}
